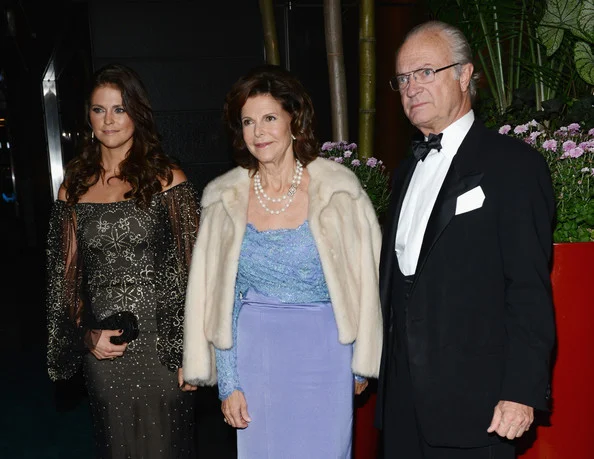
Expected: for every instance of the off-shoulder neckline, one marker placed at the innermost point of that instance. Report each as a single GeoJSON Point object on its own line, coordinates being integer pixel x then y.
{"type": "Point", "coordinates": [185, 182]}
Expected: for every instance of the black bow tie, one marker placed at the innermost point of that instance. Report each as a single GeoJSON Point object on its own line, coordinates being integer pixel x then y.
{"type": "Point", "coordinates": [421, 148]}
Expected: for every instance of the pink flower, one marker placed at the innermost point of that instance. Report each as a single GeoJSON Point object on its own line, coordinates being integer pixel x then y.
{"type": "Point", "coordinates": [521, 129]}
{"type": "Point", "coordinates": [571, 150]}
{"type": "Point", "coordinates": [347, 154]}
{"type": "Point", "coordinates": [550, 145]}
{"type": "Point", "coordinates": [561, 132]}
{"type": "Point", "coordinates": [355, 162]}
{"type": "Point", "coordinates": [588, 145]}
{"type": "Point", "coordinates": [591, 132]}
{"type": "Point", "coordinates": [573, 128]}
{"type": "Point", "coordinates": [371, 162]}
{"type": "Point", "coordinates": [504, 129]}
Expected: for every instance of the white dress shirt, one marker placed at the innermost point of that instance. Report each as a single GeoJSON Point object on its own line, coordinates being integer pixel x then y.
{"type": "Point", "coordinates": [422, 192]}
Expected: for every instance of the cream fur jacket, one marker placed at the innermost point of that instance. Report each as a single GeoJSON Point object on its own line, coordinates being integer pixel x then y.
{"type": "Point", "coordinates": [348, 239]}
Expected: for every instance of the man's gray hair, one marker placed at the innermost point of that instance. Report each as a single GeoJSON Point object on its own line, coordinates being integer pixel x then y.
{"type": "Point", "coordinates": [461, 50]}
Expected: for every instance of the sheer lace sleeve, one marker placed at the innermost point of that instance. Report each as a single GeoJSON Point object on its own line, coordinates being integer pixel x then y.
{"type": "Point", "coordinates": [227, 375]}
{"type": "Point", "coordinates": [65, 335]}
{"type": "Point", "coordinates": [183, 213]}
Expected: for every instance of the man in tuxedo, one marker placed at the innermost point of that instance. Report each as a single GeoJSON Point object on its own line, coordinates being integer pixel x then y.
{"type": "Point", "coordinates": [464, 271]}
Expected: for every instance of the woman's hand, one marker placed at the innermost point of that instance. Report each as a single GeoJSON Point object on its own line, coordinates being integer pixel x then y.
{"type": "Point", "coordinates": [234, 409]}
{"type": "Point", "coordinates": [184, 386]}
{"type": "Point", "coordinates": [360, 386]}
{"type": "Point", "coordinates": [101, 347]}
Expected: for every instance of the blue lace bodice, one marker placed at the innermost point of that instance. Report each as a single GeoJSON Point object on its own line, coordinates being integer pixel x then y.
{"type": "Point", "coordinates": [283, 264]}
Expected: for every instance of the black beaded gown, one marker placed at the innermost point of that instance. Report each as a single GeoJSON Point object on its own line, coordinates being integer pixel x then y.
{"type": "Point", "coordinates": [115, 257]}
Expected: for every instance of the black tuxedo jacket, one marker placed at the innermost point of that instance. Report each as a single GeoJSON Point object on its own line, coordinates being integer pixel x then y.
{"type": "Point", "coordinates": [479, 322]}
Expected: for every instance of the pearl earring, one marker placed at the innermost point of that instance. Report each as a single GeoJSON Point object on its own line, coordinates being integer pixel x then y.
{"type": "Point", "coordinates": [92, 135]}
{"type": "Point", "coordinates": [293, 137]}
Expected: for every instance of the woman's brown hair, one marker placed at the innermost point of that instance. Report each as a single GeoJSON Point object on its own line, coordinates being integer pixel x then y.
{"type": "Point", "coordinates": [145, 166]}
{"type": "Point", "coordinates": [285, 88]}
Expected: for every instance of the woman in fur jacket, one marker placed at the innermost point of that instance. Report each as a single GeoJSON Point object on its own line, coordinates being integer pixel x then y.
{"type": "Point", "coordinates": [282, 305]}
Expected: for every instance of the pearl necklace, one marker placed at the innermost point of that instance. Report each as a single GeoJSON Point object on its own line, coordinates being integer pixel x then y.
{"type": "Point", "coordinates": [288, 198]}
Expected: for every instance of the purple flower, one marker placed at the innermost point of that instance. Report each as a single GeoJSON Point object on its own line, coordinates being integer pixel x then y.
{"type": "Point", "coordinates": [351, 146]}
{"type": "Point", "coordinates": [588, 145]}
{"type": "Point", "coordinates": [521, 129]}
{"type": "Point", "coordinates": [550, 145]}
{"type": "Point", "coordinates": [573, 128]}
{"type": "Point", "coordinates": [371, 162]}
{"type": "Point", "coordinates": [591, 132]}
{"type": "Point", "coordinates": [568, 145]}
{"type": "Point", "coordinates": [355, 163]}
{"type": "Point", "coordinates": [338, 159]}
{"type": "Point", "coordinates": [347, 154]}
{"type": "Point", "coordinates": [561, 132]}
{"type": "Point", "coordinates": [571, 150]}
{"type": "Point", "coordinates": [504, 129]}
{"type": "Point", "coordinates": [327, 146]}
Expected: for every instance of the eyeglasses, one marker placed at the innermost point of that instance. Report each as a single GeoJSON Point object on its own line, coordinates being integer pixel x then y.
{"type": "Point", "coordinates": [422, 76]}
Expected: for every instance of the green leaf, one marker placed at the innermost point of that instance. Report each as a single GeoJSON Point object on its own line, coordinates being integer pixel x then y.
{"type": "Point", "coordinates": [584, 61]}
{"type": "Point", "coordinates": [586, 21]}
{"type": "Point", "coordinates": [563, 13]}
{"type": "Point", "coordinates": [551, 38]}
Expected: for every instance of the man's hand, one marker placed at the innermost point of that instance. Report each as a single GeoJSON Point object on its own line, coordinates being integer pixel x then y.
{"type": "Point", "coordinates": [511, 419]}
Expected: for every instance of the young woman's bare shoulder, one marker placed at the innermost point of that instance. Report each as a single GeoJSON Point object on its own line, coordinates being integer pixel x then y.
{"type": "Point", "coordinates": [62, 193]}
{"type": "Point", "coordinates": [178, 177]}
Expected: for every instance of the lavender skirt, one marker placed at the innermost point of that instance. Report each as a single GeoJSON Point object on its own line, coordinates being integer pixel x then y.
{"type": "Point", "coordinates": [297, 381]}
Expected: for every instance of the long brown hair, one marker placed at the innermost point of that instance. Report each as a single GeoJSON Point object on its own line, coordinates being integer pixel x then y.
{"type": "Point", "coordinates": [293, 98]}
{"type": "Point", "coordinates": [145, 165]}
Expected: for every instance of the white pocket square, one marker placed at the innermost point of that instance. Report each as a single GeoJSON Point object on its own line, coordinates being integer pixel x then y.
{"type": "Point", "coordinates": [472, 199]}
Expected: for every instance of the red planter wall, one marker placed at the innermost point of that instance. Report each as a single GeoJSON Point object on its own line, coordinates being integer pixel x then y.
{"type": "Point", "coordinates": [567, 432]}
{"type": "Point", "coordinates": [571, 423]}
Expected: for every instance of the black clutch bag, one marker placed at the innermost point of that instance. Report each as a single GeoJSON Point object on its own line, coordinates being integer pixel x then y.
{"type": "Point", "coordinates": [123, 320]}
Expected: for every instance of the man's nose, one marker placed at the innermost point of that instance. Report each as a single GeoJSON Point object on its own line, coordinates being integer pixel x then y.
{"type": "Point", "coordinates": [413, 87]}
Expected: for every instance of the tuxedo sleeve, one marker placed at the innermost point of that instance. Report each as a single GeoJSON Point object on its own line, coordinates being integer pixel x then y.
{"type": "Point", "coordinates": [527, 212]}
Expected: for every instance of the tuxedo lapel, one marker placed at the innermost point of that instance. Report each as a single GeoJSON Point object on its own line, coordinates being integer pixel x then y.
{"type": "Point", "coordinates": [461, 177]}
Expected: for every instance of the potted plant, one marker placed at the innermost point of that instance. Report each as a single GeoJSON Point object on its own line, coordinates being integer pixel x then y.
{"type": "Point", "coordinates": [569, 152]}
{"type": "Point", "coordinates": [370, 171]}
